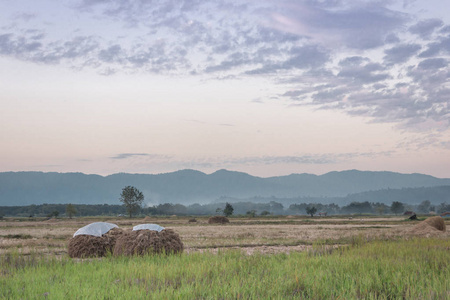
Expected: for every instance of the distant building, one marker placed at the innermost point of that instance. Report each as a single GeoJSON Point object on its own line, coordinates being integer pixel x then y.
{"type": "Point", "coordinates": [408, 213]}
{"type": "Point", "coordinates": [446, 214]}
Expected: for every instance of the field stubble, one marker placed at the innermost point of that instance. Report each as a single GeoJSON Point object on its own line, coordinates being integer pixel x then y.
{"type": "Point", "coordinates": [252, 235]}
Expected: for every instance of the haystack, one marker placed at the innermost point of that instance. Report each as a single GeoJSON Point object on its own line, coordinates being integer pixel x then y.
{"type": "Point", "coordinates": [86, 242]}
{"type": "Point", "coordinates": [436, 222]}
{"type": "Point", "coordinates": [141, 242]}
{"type": "Point", "coordinates": [433, 226]}
{"type": "Point", "coordinates": [218, 220]}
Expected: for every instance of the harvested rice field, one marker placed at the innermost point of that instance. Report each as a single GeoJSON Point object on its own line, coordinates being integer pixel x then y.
{"type": "Point", "coordinates": [251, 235]}
{"type": "Point", "coordinates": [257, 258]}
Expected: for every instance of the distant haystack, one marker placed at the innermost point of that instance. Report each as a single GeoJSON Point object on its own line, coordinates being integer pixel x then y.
{"type": "Point", "coordinates": [433, 226]}
{"type": "Point", "coordinates": [147, 241]}
{"type": "Point", "coordinates": [94, 240]}
{"type": "Point", "coordinates": [436, 222]}
{"type": "Point", "coordinates": [193, 220]}
{"type": "Point", "coordinates": [218, 220]}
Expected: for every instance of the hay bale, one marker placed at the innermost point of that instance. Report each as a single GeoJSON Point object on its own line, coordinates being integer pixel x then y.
{"type": "Point", "coordinates": [142, 242]}
{"type": "Point", "coordinates": [113, 235]}
{"type": "Point", "coordinates": [83, 246]}
{"type": "Point", "coordinates": [218, 220]}
{"type": "Point", "coordinates": [436, 222]}
{"type": "Point", "coordinates": [431, 227]}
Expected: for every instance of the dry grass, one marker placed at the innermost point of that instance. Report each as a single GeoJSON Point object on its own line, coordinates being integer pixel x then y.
{"type": "Point", "coordinates": [266, 235]}
{"type": "Point", "coordinates": [141, 242]}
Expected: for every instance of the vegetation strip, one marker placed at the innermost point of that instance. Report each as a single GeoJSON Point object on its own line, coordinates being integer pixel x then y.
{"type": "Point", "coordinates": [411, 269]}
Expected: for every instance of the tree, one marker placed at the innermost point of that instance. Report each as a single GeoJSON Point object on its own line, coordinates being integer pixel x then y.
{"type": "Point", "coordinates": [380, 208]}
{"type": "Point", "coordinates": [251, 213]}
{"type": "Point", "coordinates": [311, 210]}
{"type": "Point", "coordinates": [54, 213]}
{"type": "Point", "coordinates": [424, 207]}
{"type": "Point", "coordinates": [70, 210]}
{"type": "Point", "coordinates": [228, 210]}
{"type": "Point", "coordinates": [132, 199]}
{"type": "Point", "coordinates": [397, 207]}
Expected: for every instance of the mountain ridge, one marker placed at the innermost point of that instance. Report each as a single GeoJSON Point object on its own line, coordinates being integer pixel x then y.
{"type": "Point", "coordinates": [191, 186]}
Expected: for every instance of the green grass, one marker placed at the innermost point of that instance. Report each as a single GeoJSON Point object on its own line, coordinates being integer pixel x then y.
{"type": "Point", "coordinates": [411, 269]}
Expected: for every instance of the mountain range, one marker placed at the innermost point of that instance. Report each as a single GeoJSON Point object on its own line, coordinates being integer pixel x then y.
{"type": "Point", "coordinates": [190, 186]}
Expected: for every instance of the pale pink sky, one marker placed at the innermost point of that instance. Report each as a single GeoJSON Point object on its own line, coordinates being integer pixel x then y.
{"type": "Point", "coordinates": [268, 87]}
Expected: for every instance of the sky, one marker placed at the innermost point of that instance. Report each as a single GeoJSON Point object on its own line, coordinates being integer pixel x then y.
{"type": "Point", "coordinates": [264, 87]}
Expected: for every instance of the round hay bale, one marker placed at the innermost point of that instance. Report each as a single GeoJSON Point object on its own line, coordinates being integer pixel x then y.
{"type": "Point", "coordinates": [218, 220]}
{"type": "Point", "coordinates": [436, 222]}
{"type": "Point", "coordinates": [142, 242]}
{"type": "Point", "coordinates": [83, 246]}
{"type": "Point", "coordinates": [193, 220]}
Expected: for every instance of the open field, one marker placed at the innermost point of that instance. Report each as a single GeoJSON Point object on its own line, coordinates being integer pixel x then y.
{"type": "Point", "coordinates": [410, 269]}
{"type": "Point", "coordinates": [250, 258]}
{"type": "Point", "coordinates": [266, 235]}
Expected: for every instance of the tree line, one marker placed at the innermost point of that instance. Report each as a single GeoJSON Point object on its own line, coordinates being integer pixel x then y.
{"type": "Point", "coordinates": [239, 208]}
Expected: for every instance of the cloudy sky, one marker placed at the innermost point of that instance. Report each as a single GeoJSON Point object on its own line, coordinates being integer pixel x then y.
{"type": "Point", "coordinates": [264, 87]}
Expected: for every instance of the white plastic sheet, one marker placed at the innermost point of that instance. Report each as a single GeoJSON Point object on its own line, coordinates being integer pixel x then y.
{"type": "Point", "coordinates": [154, 227]}
{"type": "Point", "coordinates": [95, 229]}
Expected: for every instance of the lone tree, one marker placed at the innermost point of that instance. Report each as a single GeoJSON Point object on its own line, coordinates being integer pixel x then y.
{"type": "Point", "coordinates": [70, 210]}
{"type": "Point", "coordinates": [132, 198]}
{"type": "Point", "coordinates": [311, 210]}
{"type": "Point", "coordinates": [397, 207]}
{"type": "Point", "coordinates": [228, 210]}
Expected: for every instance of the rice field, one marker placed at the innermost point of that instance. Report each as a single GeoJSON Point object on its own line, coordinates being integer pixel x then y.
{"type": "Point", "coordinates": [250, 258]}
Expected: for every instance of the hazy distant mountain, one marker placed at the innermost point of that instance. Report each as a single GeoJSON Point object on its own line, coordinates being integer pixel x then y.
{"type": "Point", "coordinates": [190, 186]}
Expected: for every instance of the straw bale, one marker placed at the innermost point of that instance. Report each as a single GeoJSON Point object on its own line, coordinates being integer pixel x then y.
{"type": "Point", "coordinates": [431, 227]}
{"type": "Point", "coordinates": [436, 222]}
{"type": "Point", "coordinates": [141, 242]}
{"type": "Point", "coordinates": [82, 246]}
{"type": "Point", "coordinates": [218, 220]}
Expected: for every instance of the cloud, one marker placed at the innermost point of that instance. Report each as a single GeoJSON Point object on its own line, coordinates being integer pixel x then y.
{"type": "Point", "coordinates": [357, 24]}
{"type": "Point", "coordinates": [425, 28]}
{"type": "Point", "coordinates": [362, 70]}
{"type": "Point", "coordinates": [307, 159]}
{"type": "Point", "coordinates": [401, 53]}
{"type": "Point", "coordinates": [305, 57]}
{"type": "Point", "coordinates": [143, 155]}
{"type": "Point", "coordinates": [433, 63]}
{"type": "Point", "coordinates": [442, 46]}
{"type": "Point", "coordinates": [128, 155]}
{"type": "Point", "coordinates": [33, 48]}
{"type": "Point", "coordinates": [359, 57]}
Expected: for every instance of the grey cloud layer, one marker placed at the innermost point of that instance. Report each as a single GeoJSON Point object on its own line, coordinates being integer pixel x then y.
{"type": "Point", "coordinates": [318, 51]}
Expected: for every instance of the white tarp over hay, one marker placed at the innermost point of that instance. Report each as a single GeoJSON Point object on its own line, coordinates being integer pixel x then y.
{"type": "Point", "coordinates": [95, 229]}
{"type": "Point", "coordinates": [154, 227]}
